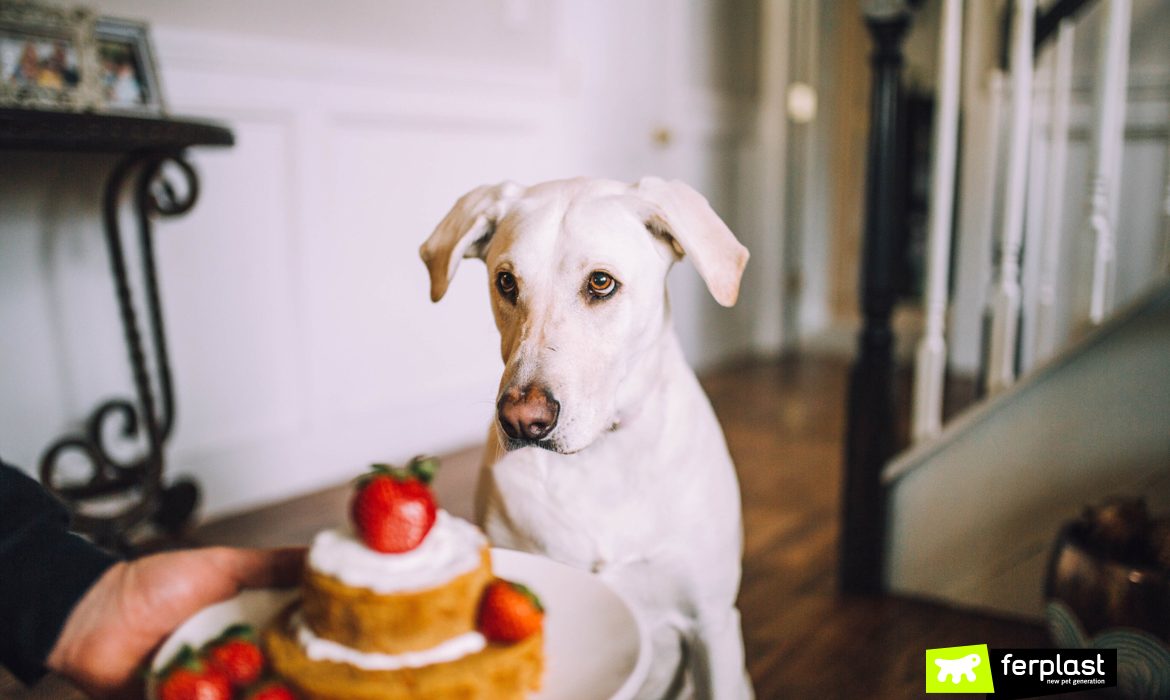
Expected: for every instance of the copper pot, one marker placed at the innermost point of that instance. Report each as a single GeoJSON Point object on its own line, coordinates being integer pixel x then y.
{"type": "Point", "coordinates": [1094, 601]}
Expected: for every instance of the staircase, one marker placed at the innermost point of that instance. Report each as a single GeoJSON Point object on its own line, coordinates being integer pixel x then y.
{"type": "Point", "coordinates": [1076, 391]}
{"type": "Point", "coordinates": [974, 511]}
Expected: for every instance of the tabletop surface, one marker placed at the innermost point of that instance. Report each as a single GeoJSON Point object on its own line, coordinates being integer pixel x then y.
{"type": "Point", "coordinates": [27, 129]}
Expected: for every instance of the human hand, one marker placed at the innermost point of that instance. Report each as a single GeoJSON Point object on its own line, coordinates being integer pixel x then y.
{"type": "Point", "coordinates": [132, 608]}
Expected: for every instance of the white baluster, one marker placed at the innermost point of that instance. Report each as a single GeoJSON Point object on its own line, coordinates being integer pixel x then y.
{"type": "Point", "coordinates": [1006, 305]}
{"type": "Point", "coordinates": [932, 351]}
{"type": "Point", "coordinates": [1038, 175]}
{"type": "Point", "coordinates": [1060, 99]}
{"type": "Point", "coordinates": [1166, 215]}
{"type": "Point", "coordinates": [1108, 143]}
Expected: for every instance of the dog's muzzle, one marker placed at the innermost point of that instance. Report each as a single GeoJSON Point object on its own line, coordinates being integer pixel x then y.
{"type": "Point", "coordinates": [527, 415]}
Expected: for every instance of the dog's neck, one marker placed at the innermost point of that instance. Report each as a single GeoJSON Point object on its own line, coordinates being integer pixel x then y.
{"type": "Point", "coordinates": [653, 377]}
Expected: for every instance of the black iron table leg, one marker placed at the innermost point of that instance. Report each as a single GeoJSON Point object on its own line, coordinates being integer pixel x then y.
{"type": "Point", "coordinates": [134, 485]}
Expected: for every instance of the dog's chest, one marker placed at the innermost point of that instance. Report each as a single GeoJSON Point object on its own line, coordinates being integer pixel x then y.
{"type": "Point", "coordinates": [588, 513]}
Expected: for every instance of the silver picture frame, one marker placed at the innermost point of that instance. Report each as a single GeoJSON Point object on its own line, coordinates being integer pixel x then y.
{"type": "Point", "coordinates": [127, 72]}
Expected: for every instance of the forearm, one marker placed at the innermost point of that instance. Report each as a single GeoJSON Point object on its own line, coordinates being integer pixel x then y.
{"type": "Point", "coordinates": [44, 571]}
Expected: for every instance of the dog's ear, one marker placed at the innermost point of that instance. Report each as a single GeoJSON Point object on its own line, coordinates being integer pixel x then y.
{"type": "Point", "coordinates": [683, 216]}
{"type": "Point", "coordinates": [465, 231]}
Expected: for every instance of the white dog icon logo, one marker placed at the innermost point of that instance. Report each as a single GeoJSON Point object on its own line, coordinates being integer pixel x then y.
{"type": "Point", "coordinates": [957, 667]}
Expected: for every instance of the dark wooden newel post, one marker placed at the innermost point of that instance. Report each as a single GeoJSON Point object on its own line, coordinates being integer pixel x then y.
{"type": "Point", "coordinates": [870, 419]}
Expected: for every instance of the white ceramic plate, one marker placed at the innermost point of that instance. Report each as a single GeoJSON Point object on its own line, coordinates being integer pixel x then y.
{"type": "Point", "coordinates": [595, 647]}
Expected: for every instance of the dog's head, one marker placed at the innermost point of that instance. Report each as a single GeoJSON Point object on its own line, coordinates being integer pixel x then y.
{"type": "Point", "coordinates": [577, 272]}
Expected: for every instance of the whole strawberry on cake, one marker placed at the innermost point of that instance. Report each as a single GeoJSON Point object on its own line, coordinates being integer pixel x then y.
{"type": "Point", "coordinates": [404, 605]}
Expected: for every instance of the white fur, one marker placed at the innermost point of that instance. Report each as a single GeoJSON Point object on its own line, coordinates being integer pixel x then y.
{"type": "Point", "coordinates": [635, 482]}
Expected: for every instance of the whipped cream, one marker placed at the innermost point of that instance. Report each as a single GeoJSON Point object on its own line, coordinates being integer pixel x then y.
{"type": "Point", "coordinates": [452, 547]}
{"type": "Point", "coordinates": [319, 649]}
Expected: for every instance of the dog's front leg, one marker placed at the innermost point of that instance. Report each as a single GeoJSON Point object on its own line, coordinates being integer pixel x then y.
{"type": "Point", "coordinates": [717, 662]}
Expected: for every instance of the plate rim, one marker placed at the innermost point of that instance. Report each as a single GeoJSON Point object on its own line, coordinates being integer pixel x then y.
{"type": "Point", "coordinates": [641, 670]}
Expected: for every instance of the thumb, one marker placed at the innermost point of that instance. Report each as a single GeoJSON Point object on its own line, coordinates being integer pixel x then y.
{"type": "Point", "coordinates": [262, 568]}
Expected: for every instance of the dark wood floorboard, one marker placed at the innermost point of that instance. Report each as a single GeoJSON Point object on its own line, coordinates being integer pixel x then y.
{"type": "Point", "coordinates": [784, 422]}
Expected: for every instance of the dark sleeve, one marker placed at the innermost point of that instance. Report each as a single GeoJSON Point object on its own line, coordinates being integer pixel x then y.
{"type": "Point", "coordinates": [44, 570]}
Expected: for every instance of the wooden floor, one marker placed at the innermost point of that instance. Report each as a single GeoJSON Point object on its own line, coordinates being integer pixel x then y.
{"type": "Point", "coordinates": [784, 424]}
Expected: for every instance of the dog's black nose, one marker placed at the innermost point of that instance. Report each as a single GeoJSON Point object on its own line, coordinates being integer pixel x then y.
{"type": "Point", "coordinates": [529, 413]}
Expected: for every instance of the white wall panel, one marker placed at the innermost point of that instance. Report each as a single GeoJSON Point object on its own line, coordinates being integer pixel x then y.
{"type": "Point", "coordinates": [228, 293]}
{"type": "Point", "coordinates": [62, 348]}
{"type": "Point", "coordinates": [368, 293]}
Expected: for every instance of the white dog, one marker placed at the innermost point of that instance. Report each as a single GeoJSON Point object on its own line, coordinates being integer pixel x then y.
{"type": "Point", "coordinates": [634, 480]}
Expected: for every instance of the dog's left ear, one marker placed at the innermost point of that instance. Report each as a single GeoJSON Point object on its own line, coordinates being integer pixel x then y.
{"type": "Point", "coordinates": [685, 218]}
{"type": "Point", "coordinates": [465, 231]}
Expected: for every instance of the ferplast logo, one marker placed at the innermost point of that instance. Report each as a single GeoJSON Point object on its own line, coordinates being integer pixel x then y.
{"type": "Point", "coordinates": [959, 670]}
{"type": "Point", "coordinates": [1019, 673]}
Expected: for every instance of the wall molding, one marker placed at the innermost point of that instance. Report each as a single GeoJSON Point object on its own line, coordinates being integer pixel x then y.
{"type": "Point", "coordinates": [227, 54]}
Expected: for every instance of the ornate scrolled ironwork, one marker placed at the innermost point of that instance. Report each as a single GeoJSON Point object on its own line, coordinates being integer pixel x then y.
{"type": "Point", "coordinates": [136, 479]}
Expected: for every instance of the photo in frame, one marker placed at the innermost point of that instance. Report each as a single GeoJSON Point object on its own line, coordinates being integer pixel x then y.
{"type": "Point", "coordinates": [126, 70]}
{"type": "Point", "coordinates": [47, 58]}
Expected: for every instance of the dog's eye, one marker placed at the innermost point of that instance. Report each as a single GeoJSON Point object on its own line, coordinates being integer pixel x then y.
{"type": "Point", "coordinates": [601, 285]}
{"type": "Point", "coordinates": [506, 283]}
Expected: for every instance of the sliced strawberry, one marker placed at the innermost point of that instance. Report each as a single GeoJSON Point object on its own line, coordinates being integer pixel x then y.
{"type": "Point", "coordinates": [393, 509]}
{"type": "Point", "coordinates": [509, 612]}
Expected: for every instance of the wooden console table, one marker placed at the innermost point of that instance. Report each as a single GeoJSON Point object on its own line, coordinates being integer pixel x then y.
{"type": "Point", "coordinates": [146, 145]}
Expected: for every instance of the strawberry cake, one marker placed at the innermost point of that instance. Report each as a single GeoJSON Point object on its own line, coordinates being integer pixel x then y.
{"type": "Point", "coordinates": [405, 605]}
